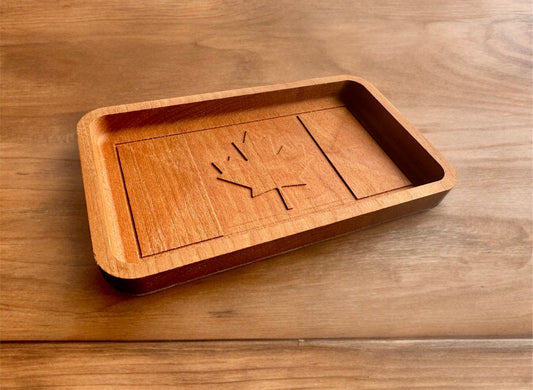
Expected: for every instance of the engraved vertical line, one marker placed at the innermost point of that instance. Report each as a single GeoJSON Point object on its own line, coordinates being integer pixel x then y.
{"type": "Point", "coordinates": [240, 152]}
{"type": "Point", "coordinates": [139, 251]}
{"type": "Point", "coordinates": [285, 203]}
{"type": "Point", "coordinates": [325, 155]}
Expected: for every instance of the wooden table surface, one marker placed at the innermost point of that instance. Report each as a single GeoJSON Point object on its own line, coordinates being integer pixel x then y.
{"type": "Point", "coordinates": [440, 299]}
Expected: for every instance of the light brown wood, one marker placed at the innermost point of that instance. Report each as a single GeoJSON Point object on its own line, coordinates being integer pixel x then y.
{"type": "Point", "coordinates": [460, 71]}
{"type": "Point", "coordinates": [159, 205]}
{"type": "Point", "coordinates": [239, 198]}
{"type": "Point", "coordinates": [246, 208]}
{"type": "Point", "coordinates": [166, 194]}
{"type": "Point", "coordinates": [360, 161]}
{"type": "Point", "coordinates": [321, 364]}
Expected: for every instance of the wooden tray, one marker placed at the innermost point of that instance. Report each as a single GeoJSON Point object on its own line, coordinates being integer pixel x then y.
{"type": "Point", "coordinates": [181, 188]}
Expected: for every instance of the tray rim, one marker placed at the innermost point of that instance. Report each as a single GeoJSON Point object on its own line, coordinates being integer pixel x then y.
{"type": "Point", "coordinates": [104, 255]}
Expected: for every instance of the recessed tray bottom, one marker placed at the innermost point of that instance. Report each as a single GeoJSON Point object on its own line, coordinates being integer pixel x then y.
{"type": "Point", "coordinates": [193, 187]}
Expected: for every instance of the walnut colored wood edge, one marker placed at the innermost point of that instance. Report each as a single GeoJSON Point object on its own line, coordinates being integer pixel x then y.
{"type": "Point", "coordinates": [142, 277]}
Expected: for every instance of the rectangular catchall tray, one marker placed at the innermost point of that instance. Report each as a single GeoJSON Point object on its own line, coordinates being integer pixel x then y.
{"type": "Point", "coordinates": [181, 188]}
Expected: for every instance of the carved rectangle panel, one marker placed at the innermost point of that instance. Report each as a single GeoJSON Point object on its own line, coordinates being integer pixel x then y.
{"type": "Point", "coordinates": [191, 187]}
{"type": "Point", "coordinates": [358, 159]}
{"type": "Point", "coordinates": [167, 198]}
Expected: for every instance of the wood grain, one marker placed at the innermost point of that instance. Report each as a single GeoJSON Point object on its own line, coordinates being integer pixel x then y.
{"type": "Point", "coordinates": [364, 166]}
{"type": "Point", "coordinates": [460, 71]}
{"type": "Point", "coordinates": [320, 364]}
{"type": "Point", "coordinates": [166, 195]}
{"type": "Point", "coordinates": [238, 213]}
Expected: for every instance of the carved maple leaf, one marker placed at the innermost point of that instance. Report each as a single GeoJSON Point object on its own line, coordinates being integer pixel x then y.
{"type": "Point", "coordinates": [261, 167]}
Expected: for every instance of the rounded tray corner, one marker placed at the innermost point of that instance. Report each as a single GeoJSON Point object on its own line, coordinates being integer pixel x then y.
{"type": "Point", "coordinates": [135, 286]}
{"type": "Point", "coordinates": [84, 124]}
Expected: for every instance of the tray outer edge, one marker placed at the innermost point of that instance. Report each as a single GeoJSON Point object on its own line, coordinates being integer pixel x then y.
{"type": "Point", "coordinates": [107, 259]}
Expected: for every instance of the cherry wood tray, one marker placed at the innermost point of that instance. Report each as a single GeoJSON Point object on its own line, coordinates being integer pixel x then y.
{"type": "Point", "coordinates": [181, 188]}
